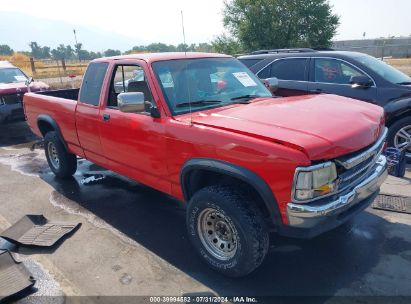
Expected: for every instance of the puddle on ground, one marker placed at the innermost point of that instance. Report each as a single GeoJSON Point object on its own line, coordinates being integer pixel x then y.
{"type": "Point", "coordinates": [396, 245]}
{"type": "Point", "coordinates": [60, 201]}
{"type": "Point", "coordinates": [26, 163]}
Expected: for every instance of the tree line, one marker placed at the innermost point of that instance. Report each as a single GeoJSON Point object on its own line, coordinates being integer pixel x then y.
{"type": "Point", "coordinates": [77, 52]}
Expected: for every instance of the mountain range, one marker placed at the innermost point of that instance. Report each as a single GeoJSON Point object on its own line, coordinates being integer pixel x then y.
{"type": "Point", "coordinates": [18, 29]}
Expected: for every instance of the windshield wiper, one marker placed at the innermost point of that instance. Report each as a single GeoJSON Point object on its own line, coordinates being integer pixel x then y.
{"type": "Point", "coordinates": [404, 83]}
{"type": "Point", "coordinates": [196, 103]}
{"type": "Point", "coordinates": [246, 96]}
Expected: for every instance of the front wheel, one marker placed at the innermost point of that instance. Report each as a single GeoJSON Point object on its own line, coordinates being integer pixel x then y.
{"type": "Point", "coordinates": [227, 229]}
{"type": "Point", "coordinates": [399, 136]}
{"type": "Point", "coordinates": [61, 162]}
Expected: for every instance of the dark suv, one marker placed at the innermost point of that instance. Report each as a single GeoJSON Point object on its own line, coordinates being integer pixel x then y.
{"type": "Point", "coordinates": [350, 74]}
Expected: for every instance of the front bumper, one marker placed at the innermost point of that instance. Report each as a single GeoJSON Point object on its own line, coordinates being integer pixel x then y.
{"type": "Point", "coordinates": [315, 218]}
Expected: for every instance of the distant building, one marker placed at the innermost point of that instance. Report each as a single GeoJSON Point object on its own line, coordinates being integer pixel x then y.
{"type": "Point", "coordinates": [381, 47]}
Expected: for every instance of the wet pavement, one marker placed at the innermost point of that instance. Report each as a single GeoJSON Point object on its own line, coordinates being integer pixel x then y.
{"type": "Point", "coordinates": [368, 256]}
{"type": "Point", "coordinates": [15, 133]}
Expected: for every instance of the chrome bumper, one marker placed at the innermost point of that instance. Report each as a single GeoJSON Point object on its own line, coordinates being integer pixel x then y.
{"type": "Point", "coordinates": [310, 215]}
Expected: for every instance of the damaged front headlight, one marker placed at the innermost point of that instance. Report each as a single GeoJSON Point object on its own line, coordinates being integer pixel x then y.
{"type": "Point", "coordinates": [313, 182]}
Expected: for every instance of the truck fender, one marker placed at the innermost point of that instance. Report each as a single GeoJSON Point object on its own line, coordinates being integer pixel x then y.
{"type": "Point", "coordinates": [49, 120]}
{"type": "Point", "coordinates": [234, 171]}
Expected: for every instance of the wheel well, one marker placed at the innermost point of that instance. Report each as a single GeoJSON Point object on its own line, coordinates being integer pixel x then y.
{"type": "Point", "coordinates": [396, 118]}
{"type": "Point", "coordinates": [200, 178]}
{"type": "Point", "coordinates": [45, 127]}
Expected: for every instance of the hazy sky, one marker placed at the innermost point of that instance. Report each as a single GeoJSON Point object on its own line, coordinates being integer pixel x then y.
{"type": "Point", "coordinates": [154, 20]}
{"type": "Point", "coordinates": [378, 18]}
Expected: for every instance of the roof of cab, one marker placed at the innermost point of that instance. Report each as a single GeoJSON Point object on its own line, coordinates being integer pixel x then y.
{"type": "Point", "coordinates": [152, 57]}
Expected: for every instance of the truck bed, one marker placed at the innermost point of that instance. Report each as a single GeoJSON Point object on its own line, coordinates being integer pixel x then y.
{"type": "Point", "coordinates": [66, 94]}
{"type": "Point", "coordinates": [59, 105]}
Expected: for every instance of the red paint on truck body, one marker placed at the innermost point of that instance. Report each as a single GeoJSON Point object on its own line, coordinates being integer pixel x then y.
{"type": "Point", "coordinates": [269, 136]}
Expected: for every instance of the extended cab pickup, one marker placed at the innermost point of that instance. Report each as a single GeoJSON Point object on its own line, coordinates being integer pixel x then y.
{"type": "Point", "coordinates": [203, 129]}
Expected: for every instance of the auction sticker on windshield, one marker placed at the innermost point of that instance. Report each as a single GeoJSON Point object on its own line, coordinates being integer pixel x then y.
{"type": "Point", "coordinates": [20, 78]}
{"type": "Point", "coordinates": [245, 79]}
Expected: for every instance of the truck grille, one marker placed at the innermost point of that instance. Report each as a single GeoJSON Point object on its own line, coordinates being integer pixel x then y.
{"type": "Point", "coordinates": [354, 168]}
{"type": "Point", "coordinates": [12, 99]}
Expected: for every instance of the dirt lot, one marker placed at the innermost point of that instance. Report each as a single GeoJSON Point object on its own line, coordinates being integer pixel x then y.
{"type": "Point", "coordinates": [133, 242]}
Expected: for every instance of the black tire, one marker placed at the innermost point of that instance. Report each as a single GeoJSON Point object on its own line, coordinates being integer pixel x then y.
{"type": "Point", "coordinates": [61, 162]}
{"type": "Point", "coordinates": [239, 211]}
{"type": "Point", "coordinates": [394, 129]}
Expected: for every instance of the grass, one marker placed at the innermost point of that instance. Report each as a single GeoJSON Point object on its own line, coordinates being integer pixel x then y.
{"type": "Point", "coordinates": [19, 60]}
{"type": "Point", "coordinates": [51, 70]}
{"type": "Point", "coordinates": [46, 68]}
{"type": "Point", "coordinates": [65, 85]}
{"type": "Point", "coordinates": [403, 64]}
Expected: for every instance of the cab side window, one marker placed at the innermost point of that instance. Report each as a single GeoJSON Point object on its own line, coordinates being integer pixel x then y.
{"type": "Point", "coordinates": [128, 78]}
{"type": "Point", "coordinates": [92, 83]}
{"type": "Point", "coordinates": [334, 71]}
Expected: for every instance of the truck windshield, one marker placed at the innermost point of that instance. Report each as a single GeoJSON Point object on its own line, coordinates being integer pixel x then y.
{"type": "Point", "coordinates": [12, 75]}
{"type": "Point", "coordinates": [384, 70]}
{"type": "Point", "coordinates": [206, 83]}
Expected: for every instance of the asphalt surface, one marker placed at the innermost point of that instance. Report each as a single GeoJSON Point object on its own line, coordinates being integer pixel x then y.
{"type": "Point", "coordinates": [133, 241]}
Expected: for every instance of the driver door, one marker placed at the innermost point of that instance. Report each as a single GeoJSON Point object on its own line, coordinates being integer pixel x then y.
{"type": "Point", "coordinates": [133, 143]}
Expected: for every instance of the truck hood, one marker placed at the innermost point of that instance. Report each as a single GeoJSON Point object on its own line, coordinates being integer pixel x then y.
{"type": "Point", "coordinates": [322, 126]}
{"type": "Point", "coordinates": [20, 87]}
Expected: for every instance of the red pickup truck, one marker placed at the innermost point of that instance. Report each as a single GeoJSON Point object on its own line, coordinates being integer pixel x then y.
{"type": "Point", "coordinates": [203, 129]}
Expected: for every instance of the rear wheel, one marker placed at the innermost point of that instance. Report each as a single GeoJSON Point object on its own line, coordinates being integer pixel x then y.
{"type": "Point", "coordinates": [61, 162]}
{"type": "Point", "coordinates": [227, 229]}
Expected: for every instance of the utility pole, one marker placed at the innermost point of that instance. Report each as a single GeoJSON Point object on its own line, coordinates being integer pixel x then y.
{"type": "Point", "coordinates": [75, 39]}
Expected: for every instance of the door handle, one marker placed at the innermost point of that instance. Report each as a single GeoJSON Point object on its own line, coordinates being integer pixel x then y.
{"type": "Point", "coordinates": [106, 117]}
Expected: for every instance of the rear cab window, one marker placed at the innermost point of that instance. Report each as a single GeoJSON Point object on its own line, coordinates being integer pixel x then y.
{"type": "Point", "coordinates": [92, 83]}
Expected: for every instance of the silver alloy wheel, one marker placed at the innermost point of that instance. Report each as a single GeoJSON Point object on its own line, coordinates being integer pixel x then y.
{"type": "Point", "coordinates": [403, 139]}
{"type": "Point", "coordinates": [217, 233]}
{"type": "Point", "coordinates": [53, 155]}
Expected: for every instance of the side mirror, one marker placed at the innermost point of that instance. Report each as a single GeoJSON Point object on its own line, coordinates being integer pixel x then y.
{"type": "Point", "coordinates": [360, 82]}
{"type": "Point", "coordinates": [131, 102]}
{"type": "Point", "coordinates": [271, 84]}
{"type": "Point", "coordinates": [27, 83]}
{"type": "Point", "coordinates": [153, 110]}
